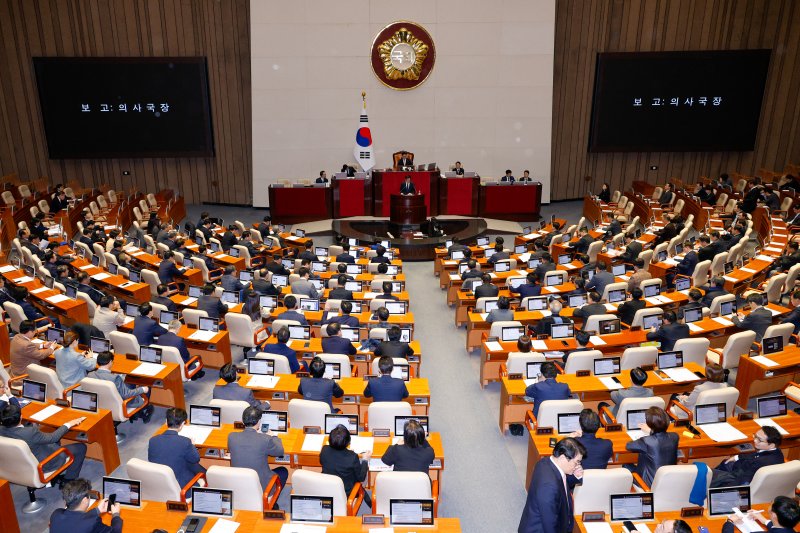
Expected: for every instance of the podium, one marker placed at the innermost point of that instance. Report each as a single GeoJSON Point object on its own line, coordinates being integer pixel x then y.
{"type": "Point", "coordinates": [407, 211]}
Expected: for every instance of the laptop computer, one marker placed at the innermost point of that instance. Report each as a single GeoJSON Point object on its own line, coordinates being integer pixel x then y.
{"type": "Point", "coordinates": [457, 255]}
{"type": "Point", "coordinates": [615, 296]}
{"type": "Point", "coordinates": [727, 308]}
{"type": "Point", "coordinates": [520, 249]}
{"type": "Point", "coordinates": [70, 291]}
{"type": "Point", "coordinates": [511, 333]}
{"type": "Point", "coordinates": [683, 284]}
{"type": "Point", "coordinates": [134, 276]}
{"type": "Point", "coordinates": [568, 423]}
{"type": "Point", "coordinates": [397, 307]}
{"type": "Point", "coordinates": [230, 297]}
{"type": "Point", "coordinates": [333, 371]}
{"type": "Point", "coordinates": [300, 233]}
{"type": "Point", "coordinates": [97, 345]}
{"type": "Point", "coordinates": [562, 331]}
{"type": "Point", "coordinates": [403, 512]}
{"type": "Point", "coordinates": [309, 304]}
{"type": "Point", "coordinates": [533, 263]}
{"type": "Point", "coordinates": [771, 406]}
{"type": "Point", "coordinates": [606, 366]}
{"type": "Point", "coordinates": [233, 252]}
{"type": "Point", "coordinates": [618, 270]}
{"type": "Point", "coordinates": [318, 266]}
{"type": "Point", "coordinates": [352, 241]}
{"type": "Point", "coordinates": [320, 251]}
{"type": "Point", "coordinates": [188, 263]}
{"type": "Point", "coordinates": [577, 300]}
{"type": "Point", "coordinates": [245, 276]}
{"type": "Point", "coordinates": [673, 359]}
{"type": "Point", "coordinates": [482, 241]}
{"type": "Point", "coordinates": [401, 372]}
{"type": "Point", "coordinates": [771, 345]}
{"type": "Point", "coordinates": [212, 502]}
{"type": "Point", "coordinates": [128, 491]}
{"type": "Point", "coordinates": [612, 325]}
{"type": "Point", "coordinates": [299, 332]}
{"type": "Point", "coordinates": [149, 354]}
{"type": "Point", "coordinates": [631, 506]}
{"type": "Point", "coordinates": [205, 415]}
{"type": "Point", "coordinates": [728, 267]}
{"type": "Point", "coordinates": [401, 421]}
{"type": "Point", "coordinates": [662, 256]}
{"type": "Point", "coordinates": [634, 418]}
{"type": "Point", "coordinates": [393, 270]}
{"type": "Point", "coordinates": [652, 290]}
{"type": "Point", "coordinates": [721, 501]}
{"type": "Point", "coordinates": [276, 421]}
{"type": "Point", "coordinates": [34, 391]}
{"type": "Point", "coordinates": [208, 324]}
{"type": "Point", "coordinates": [280, 280]}
{"type": "Point", "coordinates": [552, 280]}
{"type": "Point", "coordinates": [195, 291]}
{"type": "Point", "coordinates": [311, 509]}
{"type": "Point", "coordinates": [270, 302]}
{"type": "Point", "coordinates": [564, 259]}
{"type": "Point", "coordinates": [357, 307]}
{"type": "Point", "coordinates": [348, 421]}
{"type": "Point", "coordinates": [710, 413]}
{"type": "Point", "coordinates": [490, 306]}
{"type": "Point", "coordinates": [84, 401]}
{"type": "Point", "coordinates": [260, 367]}
{"type": "Point", "coordinates": [55, 335]}
{"type": "Point", "coordinates": [537, 303]}
{"type": "Point", "coordinates": [651, 321]}
{"type": "Point", "coordinates": [533, 369]}
{"type": "Point", "coordinates": [287, 263]}
{"type": "Point", "coordinates": [351, 334]}
{"type": "Point", "coordinates": [353, 286]}
{"type": "Point", "coordinates": [165, 317]}
{"type": "Point", "coordinates": [692, 315]}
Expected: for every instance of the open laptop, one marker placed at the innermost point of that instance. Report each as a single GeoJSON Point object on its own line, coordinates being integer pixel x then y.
{"type": "Point", "coordinates": [615, 296]}
{"type": "Point", "coordinates": [606, 366]}
{"type": "Point", "coordinates": [728, 267]}
{"type": "Point", "coordinates": [673, 359]}
{"type": "Point", "coordinates": [568, 423]}
{"type": "Point", "coordinates": [662, 256]}
{"type": "Point", "coordinates": [320, 251]}
{"type": "Point", "coordinates": [709, 413]}
{"type": "Point", "coordinates": [84, 401]}
{"type": "Point", "coordinates": [533, 369]}
{"type": "Point", "coordinates": [692, 315]}
{"type": "Point", "coordinates": [401, 372]}
{"type": "Point", "coordinates": [606, 327]}
{"type": "Point", "coordinates": [403, 512]}
{"type": "Point", "coordinates": [97, 345]}
{"type": "Point", "coordinates": [727, 308]}
{"type": "Point", "coordinates": [353, 286]}
{"type": "Point", "coordinates": [520, 249]}
{"type": "Point", "coordinates": [33, 391]}
{"type": "Point", "coordinates": [562, 331]}
{"type": "Point", "coordinates": [208, 324]}
{"type": "Point", "coordinates": [348, 421]}
{"type": "Point", "coordinates": [502, 266]}
{"type": "Point", "coordinates": [357, 307]}
{"type": "Point", "coordinates": [233, 252]}
{"type": "Point", "coordinates": [165, 317]}
{"type": "Point", "coordinates": [511, 333]}
{"type": "Point", "coordinates": [634, 418]}
{"type": "Point", "coordinates": [552, 280]}
{"type": "Point", "coordinates": [287, 263]}
{"type": "Point", "coordinates": [270, 302]}
{"type": "Point", "coordinates": [392, 270]}
{"type": "Point", "coordinates": [260, 367]}
{"type": "Point", "coordinates": [401, 421]}
{"type": "Point", "coordinates": [308, 304]}
{"type": "Point", "coordinates": [212, 502]}
{"type": "Point", "coordinates": [533, 263]}
{"type": "Point", "coordinates": [631, 506]}
{"type": "Point", "coordinates": [651, 321]}
{"type": "Point", "coordinates": [311, 509]}
{"type": "Point", "coordinates": [187, 262]}
{"type": "Point", "coordinates": [396, 307]}
{"type": "Point", "coordinates": [682, 283]}
{"type": "Point", "coordinates": [149, 354]}
{"type": "Point", "coordinates": [275, 421]}
{"type": "Point", "coordinates": [490, 305]}
{"type": "Point", "coordinates": [618, 270]}
{"type": "Point", "coordinates": [405, 335]}
{"type": "Point", "coordinates": [457, 255]}
{"type": "Point", "coordinates": [71, 291]}
{"type": "Point", "coordinates": [195, 291]}
{"type": "Point", "coordinates": [771, 406]}
{"type": "Point", "coordinates": [333, 371]}
{"type": "Point", "coordinates": [245, 276]}
{"type": "Point", "coordinates": [352, 241]}
{"type": "Point", "coordinates": [128, 491]}
{"type": "Point", "coordinates": [230, 297]}
{"type": "Point", "coordinates": [577, 300]}
{"type": "Point", "coordinates": [280, 280]}
{"type": "Point", "coordinates": [537, 303]}
{"type": "Point", "coordinates": [299, 332]}
{"type": "Point", "coordinates": [398, 286]}
{"type": "Point", "coordinates": [205, 415]}
{"type": "Point", "coordinates": [652, 290]}
{"type": "Point", "coordinates": [482, 241]}
{"type": "Point", "coordinates": [721, 501]}
{"type": "Point", "coordinates": [564, 259]}
{"type": "Point", "coordinates": [351, 334]}
{"type": "Point", "coordinates": [55, 335]}
{"type": "Point", "coordinates": [131, 310]}
{"type": "Point", "coordinates": [771, 345]}
{"type": "Point", "coordinates": [318, 284]}
{"type": "Point", "coordinates": [134, 276]}
{"type": "Point", "coordinates": [355, 270]}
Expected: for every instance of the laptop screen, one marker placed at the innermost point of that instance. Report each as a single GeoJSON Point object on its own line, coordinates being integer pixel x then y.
{"type": "Point", "coordinates": [216, 502]}
{"type": "Point", "coordinates": [562, 331]}
{"type": "Point", "coordinates": [148, 354]}
{"type": "Point", "coordinates": [692, 315]}
{"type": "Point", "coordinates": [280, 280]}
{"type": "Point", "coordinates": [411, 512]}
{"type": "Point", "coordinates": [55, 335]}
{"type": "Point", "coordinates": [299, 332]}
{"type": "Point", "coordinates": [577, 300]}
{"type": "Point", "coordinates": [771, 406]}
{"type": "Point", "coordinates": [512, 282]}
{"type": "Point", "coordinates": [209, 324]}
{"type": "Point", "coordinates": [651, 321]}
{"type": "Point", "coordinates": [396, 308]}
{"type": "Point", "coordinates": [520, 249]}
{"type": "Point", "coordinates": [670, 359]}
{"type": "Point", "coordinates": [300, 233]}
{"type": "Point", "coordinates": [354, 269]}
{"type": "Point", "coordinates": [234, 252]}
{"type": "Point", "coordinates": [632, 506]}
{"type": "Point", "coordinates": [85, 401]}
{"type": "Point", "coordinates": [34, 390]}
{"type": "Point", "coordinates": [721, 501]}
{"type": "Point", "coordinates": [712, 413]}
{"type": "Point", "coordinates": [348, 421]}
{"type": "Point", "coordinates": [276, 421]}
{"type": "Point", "coordinates": [678, 249]}
{"type": "Point", "coordinates": [772, 344]}
{"type": "Point", "coordinates": [309, 304]}
{"type": "Point", "coordinates": [134, 276]}
{"type": "Point", "coordinates": [511, 333]}
{"type": "Point", "coordinates": [393, 270]}
{"type": "Point", "coordinates": [502, 266]}
{"type": "Point", "coordinates": [356, 306]}
{"type": "Point", "coordinates": [537, 303]}
{"type": "Point", "coordinates": [97, 345]}
{"type": "Point", "coordinates": [564, 259]}
{"type": "Point", "coordinates": [261, 367]}
{"type": "Point", "coordinates": [320, 251]}
{"type": "Point", "coordinates": [195, 291]}
{"type": "Point", "coordinates": [333, 371]}
{"type": "Point", "coordinates": [490, 305]}
{"type": "Point", "coordinates": [352, 241]}
{"type": "Point", "coordinates": [165, 317]}
{"type": "Point", "coordinates": [397, 286]}
{"type": "Point", "coordinates": [287, 263]}
{"type": "Point", "coordinates": [618, 270]}
{"type": "Point", "coordinates": [552, 280]}
{"type": "Point", "coordinates": [352, 286]}
{"type": "Point", "coordinates": [230, 297]}
{"type": "Point", "coordinates": [482, 241]}
{"type": "Point", "coordinates": [605, 366]}
{"type": "Point", "coordinates": [128, 491]}
{"type": "Point", "coordinates": [401, 372]}
{"type": "Point", "coordinates": [612, 325]}
{"type": "Point", "coordinates": [204, 415]}
{"type": "Point", "coordinates": [401, 421]}
{"type": "Point", "coordinates": [312, 509]}
{"type": "Point", "coordinates": [635, 417]}
{"type": "Point", "coordinates": [533, 369]}
{"type": "Point", "coordinates": [457, 255]}
{"type": "Point", "coordinates": [245, 276]}
{"type": "Point", "coordinates": [188, 263]}
{"type": "Point", "coordinates": [727, 308]}
{"type": "Point", "coordinates": [652, 290]}
{"type": "Point", "coordinates": [533, 263]}
{"type": "Point", "coordinates": [318, 266]}
{"type": "Point", "coordinates": [616, 295]}
{"type": "Point", "coordinates": [386, 244]}
{"type": "Point", "coordinates": [728, 267]}
{"type": "Point", "coordinates": [71, 291]}
{"type": "Point", "coordinates": [351, 334]}
{"type": "Point", "coordinates": [568, 422]}
{"type": "Point", "coordinates": [269, 302]}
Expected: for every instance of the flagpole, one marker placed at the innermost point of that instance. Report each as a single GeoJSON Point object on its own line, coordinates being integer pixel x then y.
{"type": "Point", "coordinates": [364, 98]}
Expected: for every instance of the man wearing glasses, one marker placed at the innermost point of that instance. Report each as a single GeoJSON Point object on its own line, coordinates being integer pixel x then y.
{"type": "Point", "coordinates": [740, 469]}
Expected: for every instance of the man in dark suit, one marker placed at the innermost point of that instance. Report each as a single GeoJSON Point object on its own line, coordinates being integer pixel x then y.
{"type": "Point", "coordinates": [627, 310]}
{"type": "Point", "coordinates": [387, 292]}
{"type": "Point", "coordinates": [632, 249]}
{"type": "Point", "coordinates": [715, 288]}
{"type": "Point", "coordinates": [230, 281]}
{"type": "Point", "coordinates": [486, 289]}
{"type": "Point", "coordinates": [794, 316]}
{"type": "Point", "coordinates": [163, 299]}
{"type": "Point", "coordinates": [83, 286]}
{"type": "Point", "coordinates": [546, 388]}
{"type": "Point", "coordinates": [666, 195]}
{"type": "Point", "coordinates": [323, 177]}
{"type": "Point", "coordinates": [291, 311]}
{"type": "Point", "coordinates": [233, 391]}
{"type": "Point", "coordinates": [263, 286]}
{"type": "Point", "coordinates": [670, 331]}
{"type": "Point", "coordinates": [472, 271]}
{"type": "Point", "coordinates": [582, 245]}
{"type": "Point", "coordinates": [707, 249]}
{"type": "Point", "coordinates": [230, 237]}
{"type": "Point", "coordinates": [340, 292]}
{"type": "Point", "coordinates": [77, 518]}
{"type": "Point", "coordinates": [548, 508]}
{"type": "Point", "coordinates": [145, 328]}
{"type": "Point", "coordinates": [282, 348]}
{"type": "Point", "coordinates": [545, 325]}
{"type": "Point", "coordinates": [335, 343]}
{"type": "Point", "coordinates": [459, 170]}
{"type": "Point", "coordinates": [637, 390]}
{"type": "Point", "coordinates": [602, 277]}
{"type": "Point", "coordinates": [380, 256]}
{"type": "Point", "coordinates": [167, 270]}
{"type": "Point", "coordinates": [695, 297]}
{"type": "Point", "coordinates": [405, 161]}
{"type": "Point", "coordinates": [210, 303]}
{"type": "Point", "coordinates": [759, 318]}
{"type": "Point", "coordinates": [385, 388]}
{"type": "Point", "coordinates": [594, 307]}
{"type": "Point", "coordinates": [251, 448]}
{"type": "Point", "coordinates": [686, 265]}
{"type": "Point", "coordinates": [499, 254]}
{"type": "Point", "coordinates": [345, 256]}
{"type": "Point", "coordinates": [457, 247]}
{"type": "Point", "coordinates": [508, 177]}
{"type": "Point", "coordinates": [344, 319]}
{"type": "Point", "coordinates": [58, 203]}
{"type": "Point", "coordinates": [172, 339]}
{"type": "Point", "coordinates": [614, 228]}
{"type": "Point", "coordinates": [598, 451]}
{"type": "Point", "coordinates": [740, 469]}
{"type": "Point", "coordinates": [407, 187]}
{"type": "Point", "coordinates": [530, 288]}
{"type": "Point", "coordinates": [174, 450]}
{"type": "Point", "coordinates": [308, 252]}
{"type": "Point", "coordinates": [41, 444]}
{"type": "Point", "coordinates": [394, 347]}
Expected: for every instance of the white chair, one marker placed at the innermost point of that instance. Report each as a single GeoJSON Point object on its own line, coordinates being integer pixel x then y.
{"type": "Point", "coordinates": [700, 274]}
{"type": "Point", "coordinates": [158, 481]}
{"type": "Point", "coordinates": [593, 322]}
{"type": "Point", "coordinates": [248, 495]}
{"type": "Point", "coordinates": [717, 302]}
{"type": "Point", "coordinates": [20, 466]}
{"type": "Point", "coordinates": [517, 362]}
{"type": "Point", "coordinates": [613, 287]}
{"type": "Point", "coordinates": [380, 415]}
{"type": "Point", "coordinates": [550, 409]}
{"type": "Point", "coordinates": [780, 330]}
{"type": "Point", "coordinates": [593, 494]}
{"type": "Point", "coordinates": [403, 485]}
{"type": "Point", "coordinates": [152, 279]}
{"type": "Point", "coordinates": [548, 276]}
{"type": "Point", "coordinates": [124, 342]}
{"type": "Point", "coordinates": [631, 404]}
{"type": "Point", "coordinates": [651, 283]}
{"type": "Point", "coordinates": [240, 328]}
{"type": "Point", "coordinates": [303, 413]}
{"type": "Point", "coordinates": [694, 350]}
{"type": "Point", "coordinates": [49, 377]}
{"type": "Point", "coordinates": [718, 264]}
{"type": "Point", "coordinates": [672, 486]}
{"type": "Point", "coordinates": [638, 317]}
{"type": "Point", "coordinates": [310, 483]}
{"type": "Point", "coordinates": [497, 327]}
{"type": "Point", "coordinates": [108, 398]}
{"type": "Point", "coordinates": [170, 354]}
{"type": "Point", "coordinates": [208, 276]}
{"type": "Point", "coordinates": [583, 360]}
{"type": "Point", "coordinates": [91, 307]}
{"type": "Point", "coordinates": [772, 481]}
{"type": "Point", "coordinates": [638, 356]}
{"type": "Point", "coordinates": [594, 249]}
{"type": "Point", "coordinates": [230, 410]}
{"type": "Point", "coordinates": [737, 345]}
{"type": "Point", "coordinates": [774, 288]}
{"type": "Point", "coordinates": [345, 370]}
{"type": "Point", "coordinates": [726, 395]}
{"type": "Point", "coordinates": [15, 314]}
{"type": "Point", "coordinates": [278, 324]}
{"type": "Point", "coordinates": [480, 304]}
{"type": "Point", "coordinates": [191, 317]}
{"type": "Point", "coordinates": [281, 362]}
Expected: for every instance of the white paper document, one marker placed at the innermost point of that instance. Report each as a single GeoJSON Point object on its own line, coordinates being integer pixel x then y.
{"type": "Point", "coordinates": [23, 279]}
{"type": "Point", "coordinates": [635, 434]}
{"type": "Point", "coordinates": [40, 289]}
{"type": "Point", "coordinates": [609, 383]}
{"type": "Point", "coordinates": [529, 382]}
{"type": "Point", "coordinates": [224, 526]}
{"type": "Point", "coordinates": [87, 267]}
{"type": "Point", "coordinates": [766, 361]}
{"type": "Point", "coordinates": [56, 298]}
{"type": "Point", "coordinates": [611, 307]}
{"type": "Point", "coordinates": [765, 258]}
{"type": "Point", "coordinates": [483, 315]}
{"type": "Point", "coordinates": [596, 340]}
{"type": "Point", "coordinates": [731, 279]}
{"type": "Point", "coordinates": [494, 346]}
{"type": "Point", "coordinates": [774, 249]}
{"type": "Point", "coordinates": [7, 268]}
{"type": "Point", "coordinates": [46, 413]}
{"type": "Point", "coordinates": [770, 422]}
{"type": "Point", "coordinates": [376, 465]}
{"type": "Point", "coordinates": [597, 527]}
{"type": "Point", "coordinates": [197, 434]}
{"type": "Point", "coordinates": [369, 295]}
{"type": "Point", "coordinates": [748, 270]}
{"type": "Point", "coordinates": [525, 257]}
{"type": "Point", "coordinates": [774, 312]}
{"type": "Point", "coordinates": [148, 369]}
{"type": "Point", "coordinates": [362, 444]}
{"type": "Point", "coordinates": [100, 276]}
{"type": "Point", "coordinates": [189, 300]}
{"type": "Point", "coordinates": [263, 382]}
{"type": "Point", "coordinates": [694, 328]}
{"type": "Point", "coordinates": [200, 335]}
{"type": "Point", "coordinates": [313, 443]}
{"type": "Point", "coordinates": [680, 374]}
{"type": "Point", "coordinates": [722, 432]}
{"type": "Point", "coordinates": [539, 345]}
{"type": "Point", "coordinates": [722, 320]}
{"type": "Point", "coordinates": [550, 289]}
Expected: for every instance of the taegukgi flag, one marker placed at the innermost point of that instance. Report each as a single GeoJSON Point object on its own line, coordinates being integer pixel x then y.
{"type": "Point", "coordinates": [363, 148]}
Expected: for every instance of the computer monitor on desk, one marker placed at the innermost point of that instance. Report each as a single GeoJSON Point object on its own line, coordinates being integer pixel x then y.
{"type": "Point", "coordinates": [350, 422]}
{"type": "Point", "coordinates": [275, 421]}
{"type": "Point", "coordinates": [150, 354]}
{"type": "Point", "coordinates": [212, 502]}
{"type": "Point", "coordinates": [405, 513]}
{"type": "Point", "coordinates": [401, 421]}
{"type": "Point", "coordinates": [673, 359]}
{"type": "Point", "coordinates": [772, 345]}
{"type": "Point", "coordinates": [562, 331]}
{"type": "Point", "coordinates": [632, 506]}
{"type": "Point", "coordinates": [771, 406]}
{"type": "Point", "coordinates": [205, 415]}
{"type": "Point", "coordinates": [34, 391]}
{"type": "Point", "coordinates": [568, 423]}
{"type": "Point", "coordinates": [128, 491]}
{"type": "Point", "coordinates": [606, 366]}
{"type": "Point", "coordinates": [311, 509]}
{"type": "Point", "coordinates": [721, 501]}
{"type": "Point", "coordinates": [260, 367]}
{"type": "Point", "coordinates": [710, 413]}
{"type": "Point", "coordinates": [208, 324]}
{"type": "Point", "coordinates": [97, 345]}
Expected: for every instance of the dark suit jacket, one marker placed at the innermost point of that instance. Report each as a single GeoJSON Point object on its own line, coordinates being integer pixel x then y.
{"type": "Point", "coordinates": [794, 318]}
{"type": "Point", "coordinates": [386, 389]}
{"type": "Point", "coordinates": [228, 240]}
{"type": "Point", "coordinates": [230, 282]}
{"type": "Point", "coordinates": [474, 273]}
{"type": "Point", "coordinates": [746, 466]}
{"type": "Point", "coordinates": [686, 265]}
{"type": "Point", "coordinates": [211, 305]}
{"type": "Point", "coordinates": [345, 320]}
{"type": "Point", "coordinates": [758, 320]}
{"type": "Point", "coordinates": [284, 350]}
{"type": "Point", "coordinates": [166, 302]}
{"type": "Point", "coordinates": [627, 310]}
{"type": "Point", "coordinates": [167, 271]}
{"type": "Point", "coordinates": [590, 309]}
{"type": "Point", "coordinates": [145, 329]}
{"type": "Point", "coordinates": [710, 294]}
{"type": "Point", "coordinates": [407, 459]}
{"type": "Point", "coordinates": [487, 290]}
{"type": "Point", "coordinates": [729, 527]}
{"type": "Point", "coordinates": [340, 293]}
{"type": "Point", "coordinates": [41, 444]}
{"type": "Point", "coordinates": [598, 451]}
{"type": "Point", "coordinates": [525, 290]}
{"type": "Point", "coordinates": [176, 452]}
{"type": "Point", "coordinates": [548, 508]}
{"type": "Point", "coordinates": [345, 258]}
{"type": "Point", "coordinates": [668, 334]}
{"type": "Point", "coordinates": [262, 286]}
{"type": "Point", "coordinates": [394, 349]}
{"type": "Point", "coordinates": [707, 253]}
{"type": "Point", "coordinates": [338, 344]}
{"type": "Point", "coordinates": [407, 188]}
{"type": "Point", "coordinates": [66, 521]}
{"type": "Point", "coordinates": [250, 449]}
{"type": "Point", "coordinates": [548, 389]}
{"type": "Point", "coordinates": [654, 451]}
{"type": "Point", "coordinates": [293, 315]}
{"type": "Point", "coordinates": [170, 339]}
{"type": "Point", "coordinates": [582, 246]}
{"type": "Point", "coordinates": [631, 252]}
{"type": "Point", "coordinates": [320, 390]}
{"type": "Point", "coordinates": [543, 327]}
{"type": "Point", "coordinates": [599, 281]}
{"type": "Point", "coordinates": [343, 464]}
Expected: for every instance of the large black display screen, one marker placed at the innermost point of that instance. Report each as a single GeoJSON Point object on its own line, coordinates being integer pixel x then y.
{"type": "Point", "coordinates": [677, 101]}
{"type": "Point", "coordinates": [125, 107]}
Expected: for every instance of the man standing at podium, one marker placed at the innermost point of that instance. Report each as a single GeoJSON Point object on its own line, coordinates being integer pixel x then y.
{"type": "Point", "coordinates": [405, 161]}
{"type": "Point", "coordinates": [459, 170]}
{"type": "Point", "coordinates": [407, 187]}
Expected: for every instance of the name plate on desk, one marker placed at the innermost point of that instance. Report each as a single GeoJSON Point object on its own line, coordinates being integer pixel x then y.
{"type": "Point", "coordinates": [613, 427]}
{"type": "Point", "coordinates": [593, 516]}
{"type": "Point", "coordinates": [380, 432]}
{"type": "Point", "coordinates": [275, 515]}
{"type": "Point", "coordinates": [348, 399]}
{"type": "Point", "coordinates": [421, 401]}
{"type": "Point", "coordinates": [177, 506]}
{"type": "Point", "coordinates": [583, 373]}
{"type": "Point", "coordinates": [515, 376]}
{"type": "Point", "coordinates": [746, 415]}
{"type": "Point", "coordinates": [372, 519]}
{"type": "Point", "coordinates": [238, 425]}
{"type": "Point", "coordinates": [312, 430]}
{"type": "Point", "coordinates": [689, 512]}
{"type": "Point", "coordinates": [544, 431]}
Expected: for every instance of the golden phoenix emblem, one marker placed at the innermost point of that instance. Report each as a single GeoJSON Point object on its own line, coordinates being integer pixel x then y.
{"type": "Point", "coordinates": [402, 55]}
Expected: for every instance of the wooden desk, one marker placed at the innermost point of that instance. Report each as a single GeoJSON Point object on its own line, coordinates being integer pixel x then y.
{"type": "Point", "coordinates": [215, 353]}
{"type": "Point", "coordinates": [69, 311]}
{"type": "Point", "coordinates": [166, 387]}
{"type": "Point", "coordinates": [97, 431]}
{"type": "Point", "coordinates": [8, 514]}
{"type": "Point", "coordinates": [714, 524]}
{"type": "Point", "coordinates": [754, 378]}
{"type": "Point", "coordinates": [114, 283]}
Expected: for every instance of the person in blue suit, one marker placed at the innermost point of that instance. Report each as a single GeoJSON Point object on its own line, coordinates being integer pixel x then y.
{"type": "Point", "coordinates": [784, 515]}
{"type": "Point", "coordinates": [167, 271]}
{"type": "Point", "coordinates": [345, 319]}
{"type": "Point", "coordinates": [335, 343]}
{"type": "Point", "coordinates": [282, 348]}
{"type": "Point", "coordinates": [386, 388]}
{"type": "Point", "coordinates": [31, 312]}
{"type": "Point", "coordinates": [670, 331]}
{"type": "Point", "coordinates": [291, 311]}
{"type": "Point", "coordinates": [6, 397]}
{"type": "Point", "coordinates": [794, 316]}
{"type": "Point", "coordinates": [171, 338]}
{"type": "Point", "coordinates": [174, 450]}
{"type": "Point", "coordinates": [598, 451]}
{"type": "Point", "coordinates": [317, 387]}
{"type": "Point", "coordinates": [531, 288]}
{"type": "Point", "coordinates": [77, 518]}
{"type": "Point", "coordinates": [548, 508]}
{"type": "Point", "coordinates": [145, 328]}
{"type": "Point", "coordinates": [547, 388]}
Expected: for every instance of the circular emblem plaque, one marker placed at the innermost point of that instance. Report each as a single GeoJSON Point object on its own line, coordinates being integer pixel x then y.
{"type": "Point", "coordinates": [403, 55]}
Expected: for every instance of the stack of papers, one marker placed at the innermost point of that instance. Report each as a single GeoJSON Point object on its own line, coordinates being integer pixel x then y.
{"type": "Point", "coordinates": [494, 346]}
{"type": "Point", "coordinates": [774, 249]}
{"type": "Point", "coordinates": [694, 328]}
{"type": "Point", "coordinates": [87, 267]}
{"type": "Point", "coordinates": [539, 345]}
{"type": "Point", "coordinates": [770, 422]}
{"type": "Point", "coordinates": [100, 276]}
{"type": "Point", "coordinates": [137, 254]}
{"type": "Point", "coordinates": [635, 434]}
{"type": "Point", "coordinates": [56, 298]}
{"type": "Point", "coordinates": [722, 320]}
{"type": "Point", "coordinates": [550, 289]}
{"type": "Point", "coordinates": [40, 289]}
{"type": "Point", "coordinates": [202, 335]}
{"type": "Point", "coordinates": [302, 528]}
{"type": "Point", "coordinates": [197, 434]}
{"type": "Point", "coordinates": [224, 526]}
{"type": "Point", "coordinates": [597, 341]}
{"type": "Point", "coordinates": [7, 268]}
{"type": "Point", "coordinates": [376, 465]}
{"type": "Point", "coordinates": [546, 312]}
{"type": "Point", "coordinates": [148, 369]}
{"type": "Point", "coordinates": [765, 258]}
{"type": "Point", "coordinates": [369, 295]}
{"type": "Point", "coordinates": [263, 382]}
{"type": "Point", "coordinates": [766, 361]}
{"type": "Point", "coordinates": [611, 307]}
{"type": "Point", "coordinates": [773, 311]}
{"type": "Point", "coordinates": [529, 382]}
{"type": "Point", "coordinates": [731, 279]}
{"type": "Point", "coordinates": [362, 444]}
{"type": "Point", "coordinates": [609, 383]}
{"type": "Point", "coordinates": [313, 443]}
{"type": "Point", "coordinates": [525, 257]}
{"type": "Point", "coordinates": [188, 301]}
{"type": "Point", "coordinates": [46, 413]}
{"type": "Point", "coordinates": [748, 270]}
{"type": "Point", "coordinates": [23, 279]}
{"type": "Point", "coordinates": [680, 374]}
{"type": "Point", "coordinates": [722, 432]}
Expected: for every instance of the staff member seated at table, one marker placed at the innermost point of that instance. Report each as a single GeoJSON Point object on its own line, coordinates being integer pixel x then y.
{"type": "Point", "coordinates": [502, 312]}
{"type": "Point", "coordinates": [405, 161]}
{"type": "Point", "coordinates": [740, 469]}
{"type": "Point", "coordinates": [637, 390]}
{"type": "Point", "coordinates": [282, 348]}
{"type": "Point", "coordinates": [251, 448]}
{"type": "Point", "coordinates": [394, 347]}
{"type": "Point", "coordinates": [387, 292]}
{"type": "Point", "coordinates": [582, 245]}
{"type": "Point", "coordinates": [335, 343]}
{"type": "Point", "coordinates": [414, 455]}
{"type": "Point", "coordinates": [345, 256]}
{"type": "Point", "coordinates": [784, 515]}
{"type": "Point", "coordinates": [21, 295]}
{"type": "Point", "coordinates": [6, 396]}
{"type": "Point", "coordinates": [291, 312]}
{"type": "Point", "coordinates": [605, 194]}
{"type": "Point", "coordinates": [337, 460]}
{"type": "Point", "coordinates": [318, 388]}
{"type": "Point", "coordinates": [598, 451]}
{"type": "Point", "coordinates": [105, 362]}
{"type": "Point", "coordinates": [500, 254]}
{"type": "Point", "coordinates": [526, 177]}
{"type": "Point", "coordinates": [381, 256]}
{"type": "Point", "coordinates": [582, 339]}
{"type": "Point", "coordinates": [657, 448]}
{"type": "Point", "coordinates": [163, 299]}
{"type": "Point", "coordinates": [546, 388]}
{"type": "Point", "coordinates": [174, 450]}
{"type": "Point", "coordinates": [544, 325]}
{"type": "Point", "coordinates": [486, 289]}
{"type": "Point", "coordinates": [715, 379]}
{"type": "Point", "coordinates": [632, 249]}
{"type": "Point", "coordinates": [71, 365]}
{"type": "Point", "coordinates": [627, 310]}
{"type": "Point", "coordinates": [669, 332]}
{"type": "Point", "coordinates": [759, 318]}
{"type": "Point", "coordinates": [507, 177]}
{"type": "Point", "coordinates": [344, 319]}
{"type": "Point", "coordinates": [171, 338]}
{"type": "Point", "coordinates": [386, 388]}
{"type": "Point", "coordinates": [209, 303]}
{"type": "Point", "coordinates": [531, 286]}
{"type": "Point", "coordinates": [407, 187]}
{"type": "Point", "coordinates": [145, 328]}
{"type": "Point", "coordinates": [640, 274]}
{"type": "Point", "coordinates": [592, 308]}
{"type": "Point", "coordinates": [77, 518]}
{"type": "Point", "coordinates": [167, 270]}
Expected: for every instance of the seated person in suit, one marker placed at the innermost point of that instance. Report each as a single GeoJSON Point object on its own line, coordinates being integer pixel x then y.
{"type": "Point", "coordinates": [784, 515]}
{"type": "Point", "coordinates": [83, 286]}
{"type": "Point", "coordinates": [211, 304]}
{"type": "Point", "coordinates": [473, 271]}
{"type": "Point", "coordinates": [594, 307]}
{"type": "Point", "coordinates": [251, 448]}
{"type": "Point", "coordinates": [657, 448]}
{"type": "Point", "coordinates": [72, 365]}
{"type": "Point", "coordinates": [387, 292]}
{"type": "Point", "coordinates": [23, 351]}
{"type": "Point", "coordinates": [740, 469]}
{"type": "Point", "coordinates": [627, 310]}
{"type": "Point", "coordinates": [163, 299]}
{"type": "Point", "coordinates": [405, 161]}
{"type": "Point", "coordinates": [640, 273]}
{"type": "Point", "coordinates": [308, 252]}
{"type": "Point", "coordinates": [174, 450]}
{"type": "Point", "coordinates": [394, 347]}
{"type": "Point", "coordinates": [759, 318]}
{"type": "Point", "coordinates": [318, 388]}
{"type": "Point", "coordinates": [231, 237]}
{"type": "Point", "coordinates": [507, 177]}
{"type": "Point", "coordinates": [340, 292]}
{"type": "Point", "coordinates": [335, 343]}
{"type": "Point", "coordinates": [344, 319]}
{"type": "Point", "coordinates": [712, 290]}
{"type": "Point", "coordinates": [715, 379]}
{"type": "Point", "coordinates": [545, 324]}
{"type": "Point", "coordinates": [345, 256]}
{"type": "Point", "coordinates": [167, 270]}
{"type": "Point", "coordinates": [602, 277]}
{"type": "Point", "coordinates": [502, 312]}
{"type": "Point", "coordinates": [382, 314]}
{"type": "Point", "coordinates": [58, 202]}
{"type": "Point", "coordinates": [233, 391]}
{"type": "Point", "coordinates": [323, 177]}
{"type": "Point", "coordinates": [77, 518]}
{"type": "Point", "coordinates": [381, 256]}
{"type": "Point", "coordinates": [171, 338]}
{"type": "Point", "coordinates": [530, 288]}
{"type": "Point", "coordinates": [230, 281]}
{"type": "Point", "coordinates": [383, 273]}
{"type": "Point", "coordinates": [598, 451]}
{"type": "Point", "coordinates": [632, 249]}
{"type": "Point", "coordinates": [486, 289]}
{"type": "Point", "coordinates": [794, 316]}
{"type": "Point", "coordinates": [414, 455]}
{"type": "Point", "coordinates": [458, 169]}
{"type": "Point", "coordinates": [341, 270]}
{"type": "Point", "coordinates": [695, 299]}
{"type": "Point", "coordinates": [105, 362]}
{"type": "Point", "coordinates": [282, 348]}
{"type": "Point", "coordinates": [385, 388]}
{"type": "Point", "coordinates": [582, 244]}
{"type": "Point", "coordinates": [637, 390]}
{"type": "Point", "coordinates": [263, 285]}
{"type": "Point", "coordinates": [546, 388]}
{"type": "Point", "coordinates": [582, 339]}
{"type": "Point", "coordinates": [669, 332]}
{"type": "Point", "coordinates": [337, 460]}
{"type": "Point", "coordinates": [303, 286]}
{"type": "Point", "coordinates": [526, 177]}
{"type": "Point", "coordinates": [145, 328]}
{"type": "Point", "coordinates": [499, 254]}
{"type": "Point", "coordinates": [666, 195]}
{"type": "Point", "coordinates": [407, 187]}
{"type": "Point", "coordinates": [291, 312]}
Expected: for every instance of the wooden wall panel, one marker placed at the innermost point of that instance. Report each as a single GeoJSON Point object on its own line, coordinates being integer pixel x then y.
{"type": "Point", "coordinates": [219, 30]}
{"type": "Point", "coordinates": [586, 27]}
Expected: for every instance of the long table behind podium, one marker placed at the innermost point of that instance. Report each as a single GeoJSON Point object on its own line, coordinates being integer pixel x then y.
{"type": "Point", "coordinates": [511, 202]}
{"type": "Point", "coordinates": [290, 205]}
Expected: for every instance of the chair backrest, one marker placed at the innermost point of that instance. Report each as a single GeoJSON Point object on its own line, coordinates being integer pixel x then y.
{"type": "Point", "coordinates": [91, 307]}
{"type": "Point", "coordinates": [244, 482]}
{"type": "Point", "coordinates": [780, 330]}
{"type": "Point", "coordinates": [672, 486]}
{"type": "Point", "coordinates": [480, 305]}
{"type": "Point", "coordinates": [738, 344]}
{"type": "Point", "coordinates": [582, 361]}
{"type": "Point", "coordinates": [191, 317]}
{"type": "Point", "coordinates": [613, 287]}
{"type": "Point", "coordinates": [376, 304]}
{"type": "Point", "coordinates": [124, 342]}
{"type": "Point", "coordinates": [396, 360]}
{"type": "Point", "coordinates": [633, 404]}
{"type": "Point", "coordinates": [15, 314]}
{"type": "Point", "coordinates": [310, 483]}
{"type": "Point", "coordinates": [593, 322]}
{"type": "Point", "coordinates": [48, 376]}
{"type": "Point", "coordinates": [700, 275]}
{"type": "Point", "coordinates": [560, 273]}
{"type": "Point", "coordinates": [107, 396]}
{"type": "Point", "coordinates": [646, 256]}
{"type": "Point", "coordinates": [615, 196]}
{"type": "Point", "coordinates": [678, 208]}
{"type": "Point", "coordinates": [152, 279]}
{"type": "Point", "coordinates": [230, 410]}
{"type": "Point", "coordinates": [334, 250]}
{"type": "Point", "coordinates": [650, 283]}
{"type": "Point", "coordinates": [240, 328]}
{"type": "Point", "coordinates": [19, 465]}
{"type": "Point", "coordinates": [722, 199]}
{"type": "Point", "coordinates": [638, 356]}
{"type": "Point", "coordinates": [791, 278]}
{"type": "Point", "coordinates": [594, 249]}
{"type": "Point", "coordinates": [8, 198]}
{"type": "Point", "coordinates": [694, 350]}
{"type": "Point", "coordinates": [343, 360]}
{"type": "Point", "coordinates": [497, 327]}
{"type": "Point", "coordinates": [517, 362]}
{"type": "Point", "coordinates": [657, 193]}
{"type": "Point", "coordinates": [774, 287]}
{"type": "Point", "coordinates": [333, 305]}
{"type": "Point", "coordinates": [550, 409]}
{"type": "Point", "coordinates": [158, 481]}
{"type": "Point", "coordinates": [718, 301]}
{"type": "Point", "coordinates": [638, 317]}
{"type": "Point", "coordinates": [307, 413]}
{"type": "Point", "coordinates": [729, 395]}
{"type": "Point", "coordinates": [381, 414]}
{"type": "Point", "coordinates": [278, 324]}
{"type": "Point", "coordinates": [593, 494]}
{"type": "Point", "coordinates": [718, 263]}
{"type": "Point", "coordinates": [170, 354]}
{"type": "Point", "coordinates": [772, 481]}
{"type": "Point", "coordinates": [400, 485]}
{"type": "Point", "coordinates": [281, 362]}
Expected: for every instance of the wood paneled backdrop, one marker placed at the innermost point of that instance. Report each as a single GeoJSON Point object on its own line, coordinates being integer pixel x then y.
{"type": "Point", "coordinates": [586, 27]}
{"type": "Point", "coordinates": [217, 29]}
